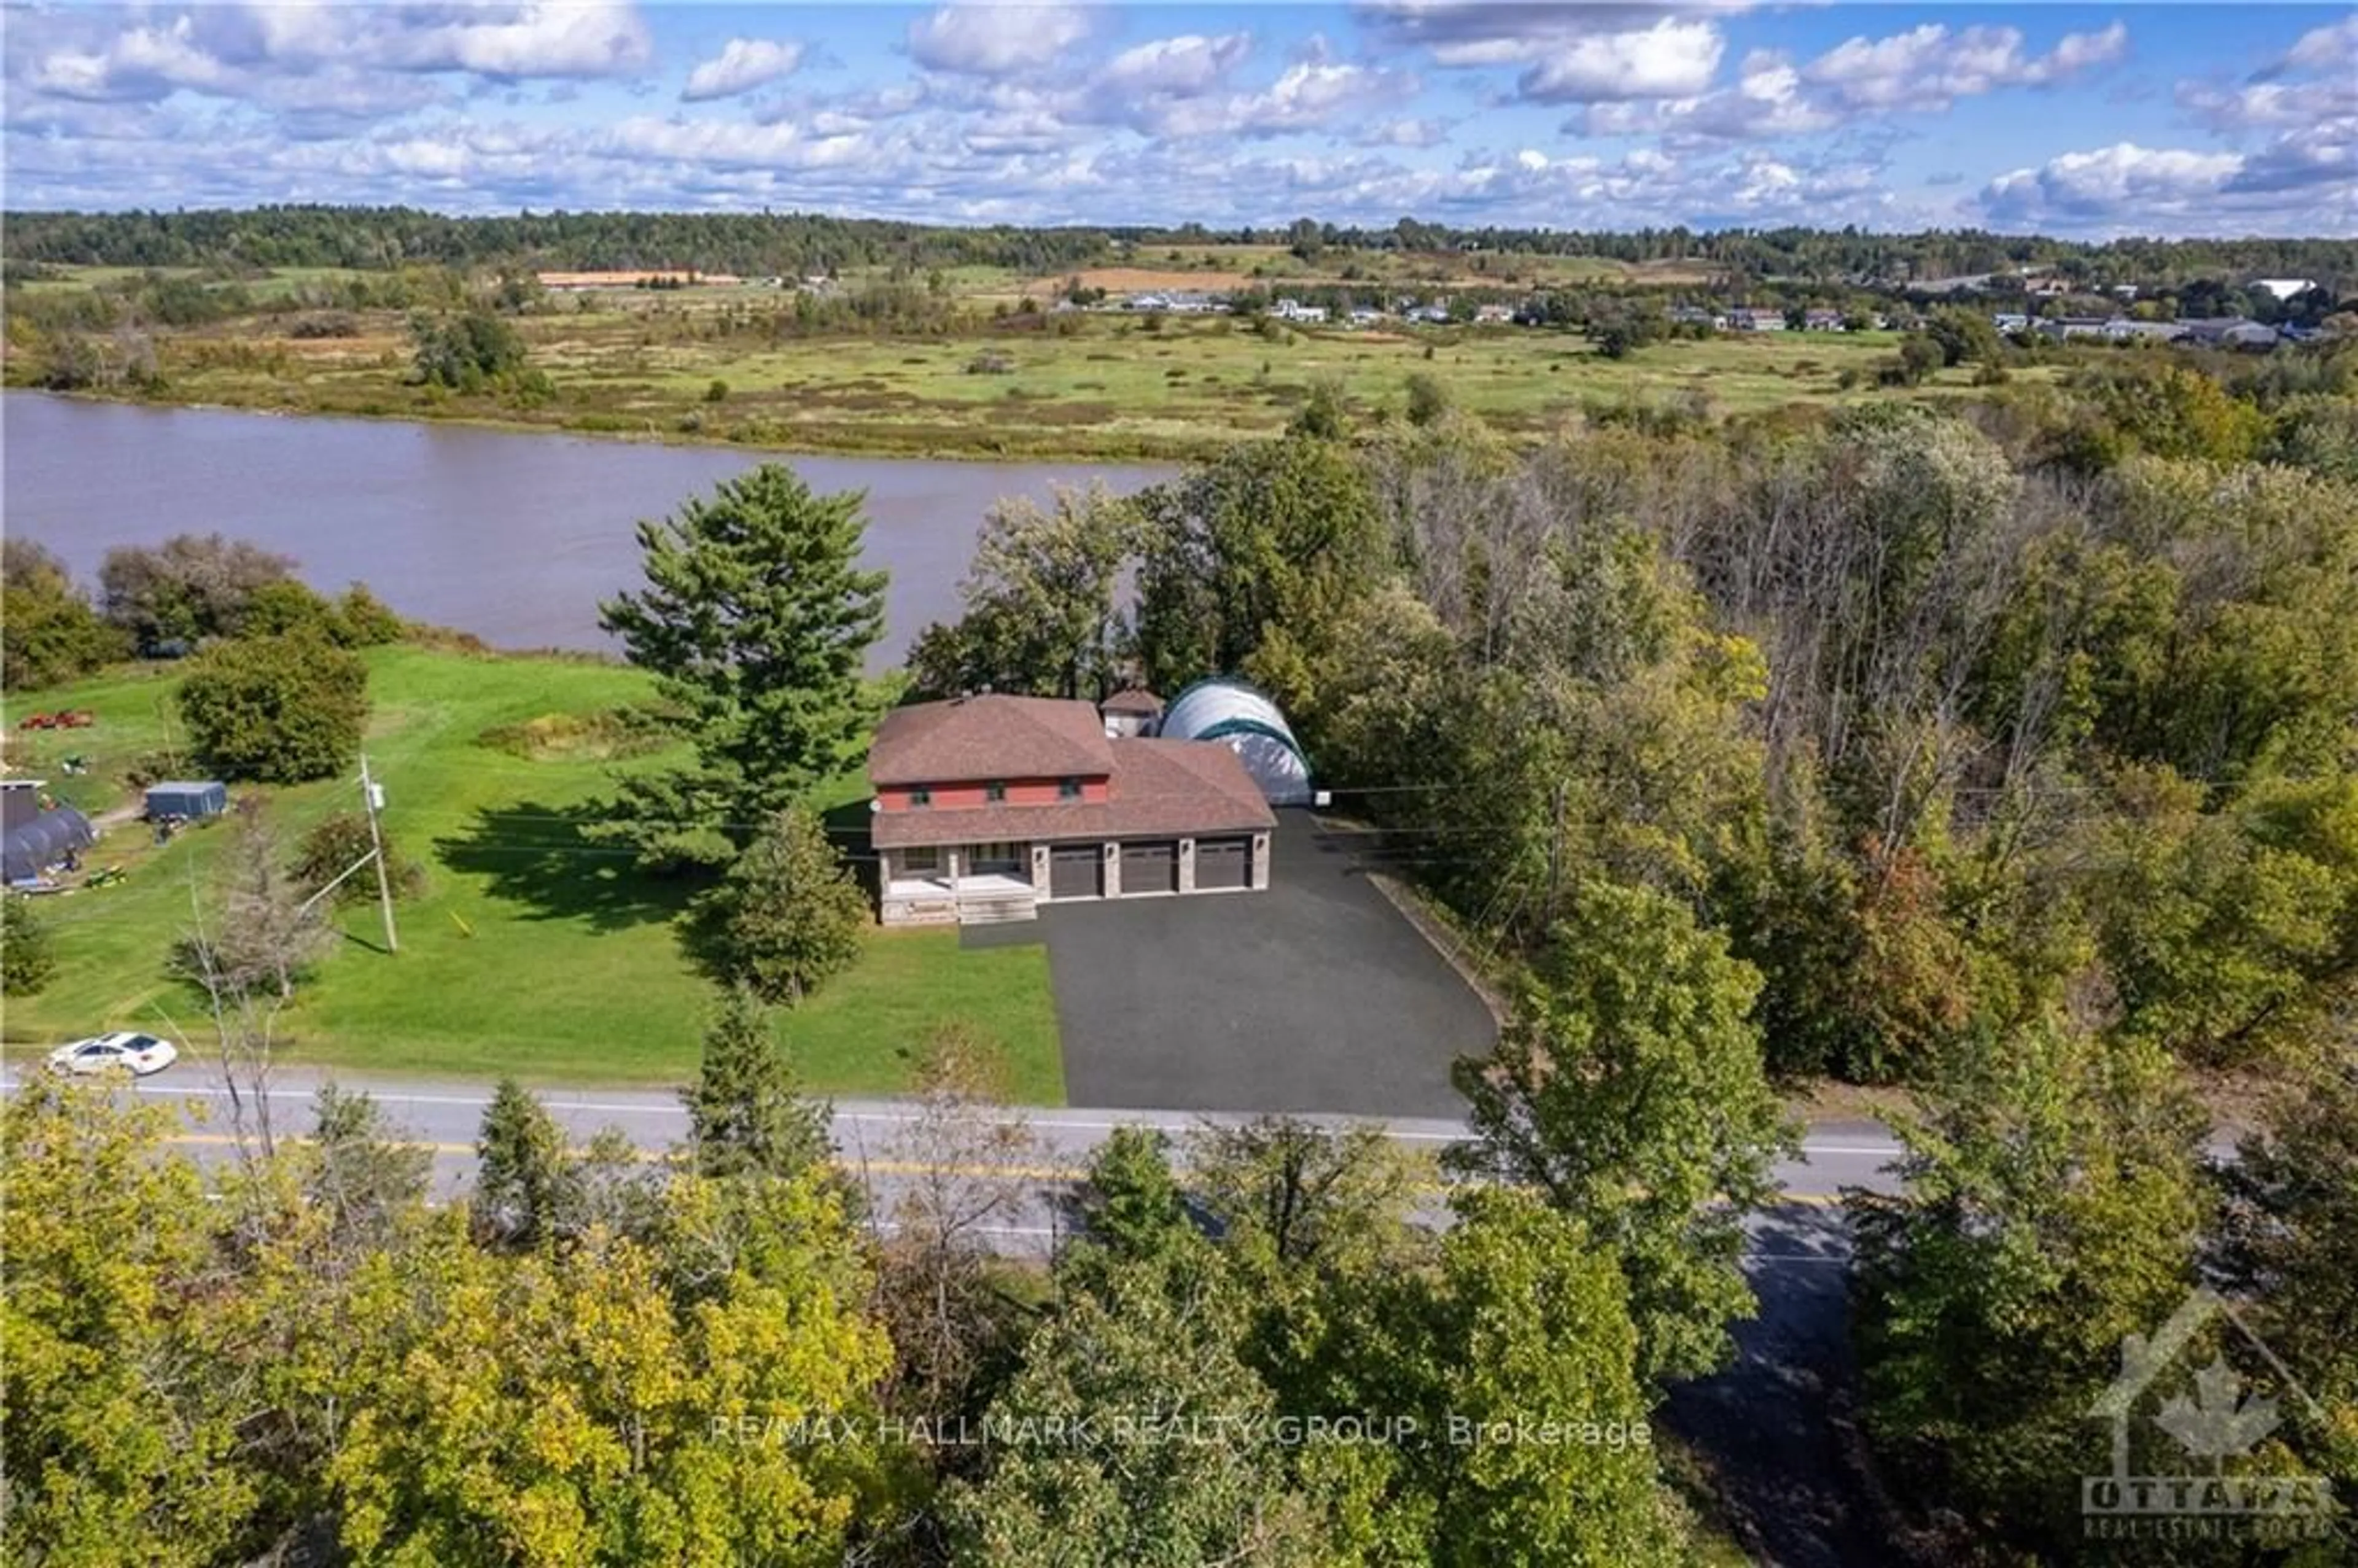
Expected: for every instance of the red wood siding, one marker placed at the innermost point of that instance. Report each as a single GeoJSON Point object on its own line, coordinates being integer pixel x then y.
{"type": "Point", "coordinates": [1020, 792]}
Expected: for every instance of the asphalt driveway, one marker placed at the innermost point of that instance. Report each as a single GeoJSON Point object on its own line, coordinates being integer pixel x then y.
{"type": "Point", "coordinates": [1313, 996]}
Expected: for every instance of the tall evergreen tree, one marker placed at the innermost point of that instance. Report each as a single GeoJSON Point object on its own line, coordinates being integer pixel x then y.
{"type": "Point", "coordinates": [756, 621]}
{"type": "Point", "coordinates": [785, 916]}
{"type": "Point", "coordinates": [523, 1171]}
{"type": "Point", "coordinates": [746, 1113]}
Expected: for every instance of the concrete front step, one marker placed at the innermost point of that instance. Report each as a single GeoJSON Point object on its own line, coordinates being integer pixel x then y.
{"type": "Point", "coordinates": [996, 911]}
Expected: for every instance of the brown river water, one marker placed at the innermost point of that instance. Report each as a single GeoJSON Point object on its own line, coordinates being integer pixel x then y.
{"type": "Point", "coordinates": [514, 537]}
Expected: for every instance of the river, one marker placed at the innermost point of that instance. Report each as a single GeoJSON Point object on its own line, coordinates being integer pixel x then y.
{"type": "Point", "coordinates": [514, 537]}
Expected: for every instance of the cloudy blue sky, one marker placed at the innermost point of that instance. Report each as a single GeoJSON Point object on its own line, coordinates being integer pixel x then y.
{"type": "Point", "coordinates": [2065, 118]}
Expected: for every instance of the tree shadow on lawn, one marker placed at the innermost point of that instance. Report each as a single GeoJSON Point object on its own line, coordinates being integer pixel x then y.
{"type": "Point", "coordinates": [847, 827]}
{"type": "Point", "coordinates": [541, 856]}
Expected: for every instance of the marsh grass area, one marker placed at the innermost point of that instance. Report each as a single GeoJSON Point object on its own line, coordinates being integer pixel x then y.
{"type": "Point", "coordinates": [532, 951]}
{"type": "Point", "coordinates": [1096, 385]}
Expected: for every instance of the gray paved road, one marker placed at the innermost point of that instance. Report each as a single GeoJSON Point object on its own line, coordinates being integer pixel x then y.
{"type": "Point", "coordinates": [869, 1134]}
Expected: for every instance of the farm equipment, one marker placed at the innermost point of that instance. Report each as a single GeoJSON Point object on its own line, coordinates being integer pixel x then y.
{"type": "Point", "coordinates": [63, 718]}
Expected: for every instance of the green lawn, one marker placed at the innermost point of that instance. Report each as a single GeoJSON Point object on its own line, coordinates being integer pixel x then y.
{"type": "Point", "coordinates": [532, 951]}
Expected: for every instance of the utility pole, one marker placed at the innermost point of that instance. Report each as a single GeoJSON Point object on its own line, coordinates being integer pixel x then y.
{"type": "Point", "coordinates": [373, 797]}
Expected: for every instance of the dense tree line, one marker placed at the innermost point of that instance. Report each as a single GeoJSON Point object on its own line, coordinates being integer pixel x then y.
{"type": "Point", "coordinates": [805, 243]}
{"type": "Point", "coordinates": [386, 238]}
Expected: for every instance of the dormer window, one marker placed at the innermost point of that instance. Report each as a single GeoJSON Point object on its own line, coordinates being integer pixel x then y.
{"type": "Point", "coordinates": [921, 796]}
{"type": "Point", "coordinates": [995, 792]}
{"type": "Point", "coordinates": [1068, 789]}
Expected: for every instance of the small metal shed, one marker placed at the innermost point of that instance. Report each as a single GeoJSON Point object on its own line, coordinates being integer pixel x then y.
{"type": "Point", "coordinates": [31, 851]}
{"type": "Point", "coordinates": [186, 800]}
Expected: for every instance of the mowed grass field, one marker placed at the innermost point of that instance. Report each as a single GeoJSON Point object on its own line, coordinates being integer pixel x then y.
{"type": "Point", "coordinates": [1106, 385]}
{"type": "Point", "coordinates": [532, 952]}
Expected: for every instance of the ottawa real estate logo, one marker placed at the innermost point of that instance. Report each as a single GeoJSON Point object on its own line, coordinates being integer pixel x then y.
{"type": "Point", "coordinates": [2191, 1453]}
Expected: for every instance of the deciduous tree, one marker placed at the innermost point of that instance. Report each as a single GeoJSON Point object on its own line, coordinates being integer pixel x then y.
{"type": "Point", "coordinates": [2290, 1230]}
{"type": "Point", "coordinates": [28, 956]}
{"type": "Point", "coordinates": [49, 631]}
{"type": "Point", "coordinates": [1043, 612]}
{"type": "Point", "coordinates": [2048, 1206]}
{"type": "Point", "coordinates": [1628, 1090]}
{"type": "Point", "coordinates": [189, 588]}
{"type": "Point", "coordinates": [281, 710]}
{"type": "Point", "coordinates": [1248, 559]}
{"type": "Point", "coordinates": [118, 1444]}
{"type": "Point", "coordinates": [1149, 1345]}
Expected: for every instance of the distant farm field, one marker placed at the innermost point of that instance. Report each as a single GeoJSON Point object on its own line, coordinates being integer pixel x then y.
{"type": "Point", "coordinates": [532, 951]}
{"type": "Point", "coordinates": [726, 364]}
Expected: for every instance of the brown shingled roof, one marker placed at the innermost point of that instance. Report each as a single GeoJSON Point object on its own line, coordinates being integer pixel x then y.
{"type": "Point", "coordinates": [988, 737]}
{"type": "Point", "coordinates": [1160, 789]}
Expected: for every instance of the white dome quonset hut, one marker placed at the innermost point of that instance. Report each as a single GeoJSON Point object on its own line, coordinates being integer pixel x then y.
{"type": "Point", "coordinates": [1226, 710]}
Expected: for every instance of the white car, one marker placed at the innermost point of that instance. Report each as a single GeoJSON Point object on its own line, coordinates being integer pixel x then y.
{"type": "Point", "coordinates": [141, 1054]}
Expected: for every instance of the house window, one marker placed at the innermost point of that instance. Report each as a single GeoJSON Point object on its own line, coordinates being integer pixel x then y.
{"type": "Point", "coordinates": [1000, 857]}
{"type": "Point", "coordinates": [1068, 789]}
{"type": "Point", "coordinates": [922, 862]}
{"type": "Point", "coordinates": [994, 792]}
{"type": "Point", "coordinates": [921, 796]}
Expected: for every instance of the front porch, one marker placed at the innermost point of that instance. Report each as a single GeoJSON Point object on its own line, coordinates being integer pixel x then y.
{"type": "Point", "coordinates": [958, 885]}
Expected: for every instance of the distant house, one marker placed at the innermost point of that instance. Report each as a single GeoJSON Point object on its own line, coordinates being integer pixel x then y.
{"type": "Point", "coordinates": [1431, 315]}
{"type": "Point", "coordinates": [2074, 326]}
{"type": "Point", "coordinates": [1294, 310]}
{"type": "Point", "coordinates": [987, 806]}
{"type": "Point", "coordinates": [1755, 320]}
{"type": "Point", "coordinates": [1493, 315]}
{"type": "Point", "coordinates": [2010, 321]}
{"type": "Point", "coordinates": [2122, 329]}
{"type": "Point", "coordinates": [1364, 317]}
{"type": "Point", "coordinates": [1821, 321]}
{"type": "Point", "coordinates": [668, 278]}
{"type": "Point", "coordinates": [2229, 332]}
{"type": "Point", "coordinates": [2283, 288]}
{"type": "Point", "coordinates": [1692, 316]}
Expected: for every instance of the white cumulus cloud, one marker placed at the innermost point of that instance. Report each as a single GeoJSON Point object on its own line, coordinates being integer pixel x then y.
{"type": "Point", "coordinates": [996, 39]}
{"type": "Point", "coordinates": [2300, 184]}
{"type": "Point", "coordinates": [1669, 60]}
{"type": "Point", "coordinates": [1929, 67]}
{"type": "Point", "coordinates": [741, 65]}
